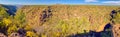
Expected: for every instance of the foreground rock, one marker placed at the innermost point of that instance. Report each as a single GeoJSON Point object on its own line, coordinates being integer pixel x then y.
{"type": "Point", "coordinates": [116, 30]}
{"type": "Point", "coordinates": [2, 35]}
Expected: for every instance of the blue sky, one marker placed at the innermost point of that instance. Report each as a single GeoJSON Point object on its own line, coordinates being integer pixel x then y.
{"type": "Point", "coordinates": [38, 2]}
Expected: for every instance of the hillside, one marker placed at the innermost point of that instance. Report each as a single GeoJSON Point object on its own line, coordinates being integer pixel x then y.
{"type": "Point", "coordinates": [67, 19]}
{"type": "Point", "coordinates": [59, 20]}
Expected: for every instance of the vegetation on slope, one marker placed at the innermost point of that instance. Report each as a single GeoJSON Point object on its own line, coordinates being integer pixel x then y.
{"type": "Point", "coordinates": [55, 20]}
{"type": "Point", "coordinates": [67, 19]}
{"type": "Point", "coordinates": [116, 22]}
{"type": "Point", "coordinates": [116, 16]}
{"type": "Point", "coordinates": [4, 19]}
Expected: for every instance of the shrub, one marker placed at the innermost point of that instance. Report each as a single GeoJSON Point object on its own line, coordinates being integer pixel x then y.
{"type": "Point", "coordinates": [28, 28]}
{"type": "Point", "coordinates": [12, 29]}
{"type": "Point", "coordinates": [31, 34]}
{"type": "Point", "coordinates": [7, 21]}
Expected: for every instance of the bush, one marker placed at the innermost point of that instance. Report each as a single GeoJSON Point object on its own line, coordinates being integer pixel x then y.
{"type": "Point", "coordinates": [7, 21]}
{"type": "Point", "coordinates": [28, 28]}
{"type": "Point", "coordinates": [31, 34]}
{"type": "Point", "coordinates": [12, 29]}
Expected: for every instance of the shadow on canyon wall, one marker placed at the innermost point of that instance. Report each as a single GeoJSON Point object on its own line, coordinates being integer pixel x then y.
{"type": "Point", "coordinates": [11, 9]}
{"type": "Point", "coordinates": [105, 33]}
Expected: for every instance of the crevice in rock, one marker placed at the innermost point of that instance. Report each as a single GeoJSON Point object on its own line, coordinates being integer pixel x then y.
{"type": "Point", "coordinates": [46, 14]}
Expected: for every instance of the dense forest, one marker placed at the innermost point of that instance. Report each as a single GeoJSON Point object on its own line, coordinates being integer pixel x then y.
{"type": "Point", "coordinates": [60, 21]}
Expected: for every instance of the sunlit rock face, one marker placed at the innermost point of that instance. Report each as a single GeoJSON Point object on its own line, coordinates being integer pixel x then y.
{"type": "Point", "coordinates": [116, 23]}
{"type": "Point", "coordinates": [14, 35]}
{"type": "Point", "coordinates": [116, 30]}
{"type": "Point", "coordinates": [2, 35]}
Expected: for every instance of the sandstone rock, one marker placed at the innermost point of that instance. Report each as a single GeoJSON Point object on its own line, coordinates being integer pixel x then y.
{"type": "Point", "coordinates": [14, 35]}
{"type": "Point", "coordinates": [116, 30]}
{"type": "Point", "coordinates": [2, 35]}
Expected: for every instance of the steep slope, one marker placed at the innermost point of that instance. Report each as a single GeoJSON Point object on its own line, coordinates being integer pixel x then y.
{"type": "Point", "coordinates": [116, 22]}
{"type": "Point", "coordinates": [60, 21]}
{"type": "Point", "coordinates": [3, 23]}
{"type": "Point", "coordinates": [79, 19]}
{"type": "Point", "coordinates": [11, 9]}
{"type": "Point", "coordinates": [63, 20]}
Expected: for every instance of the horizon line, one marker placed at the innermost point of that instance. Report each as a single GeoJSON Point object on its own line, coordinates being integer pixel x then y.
{"type": "Point", "coordinates": [61, 4]}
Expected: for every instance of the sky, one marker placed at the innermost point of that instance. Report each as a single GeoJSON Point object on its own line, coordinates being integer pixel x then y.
{"type": "Point", "coordinates": [50, 2]}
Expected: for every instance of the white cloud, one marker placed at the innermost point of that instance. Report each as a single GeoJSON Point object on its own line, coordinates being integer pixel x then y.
{"type": "Point", "coordinates": [112, 2]}
{"type": "Point", "coordinates": [91, 1]}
